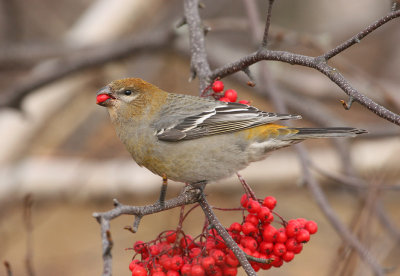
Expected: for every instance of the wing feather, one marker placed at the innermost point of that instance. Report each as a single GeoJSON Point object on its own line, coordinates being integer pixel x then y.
{"type": "Point", "coordinates": [222, 118]}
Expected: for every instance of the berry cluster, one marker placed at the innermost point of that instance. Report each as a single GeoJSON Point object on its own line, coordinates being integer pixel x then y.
{"type": "Point", "coordinates": [258, 238]}
{"type": "Point", "coordinates": [174, 253]}
{"type": "Point", "coordinates": [230, 95]}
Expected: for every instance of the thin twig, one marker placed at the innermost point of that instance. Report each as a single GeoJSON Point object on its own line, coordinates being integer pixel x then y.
{"type": "Point", "coordinates": [264, 41]}
{"type": "Point", "coordinates": [28, 201]}
{"type": "Point", "coordinates": [357, 38]}
{"type": "Point", "coordinates": [8, 268]}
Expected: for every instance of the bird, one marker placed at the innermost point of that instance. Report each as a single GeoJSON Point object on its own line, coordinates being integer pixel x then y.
{"type": "Point", "coordinates": [194, 139]}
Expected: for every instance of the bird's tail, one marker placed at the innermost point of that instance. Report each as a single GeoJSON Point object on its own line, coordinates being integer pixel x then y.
{"type": "Point", "coordinates": [330, 132]}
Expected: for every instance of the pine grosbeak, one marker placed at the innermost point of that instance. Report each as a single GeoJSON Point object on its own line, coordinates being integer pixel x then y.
{"type": "Point", "coordinates": [191, 139]}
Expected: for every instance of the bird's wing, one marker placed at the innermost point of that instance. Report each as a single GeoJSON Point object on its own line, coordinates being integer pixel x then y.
{"type": "Point", "coordinates": [217, 119]}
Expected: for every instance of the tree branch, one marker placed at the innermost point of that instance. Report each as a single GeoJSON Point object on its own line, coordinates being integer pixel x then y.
{"type": "Point", "coordinates": [357, 38]}
{"type": "Point", "coordinates": [214, 222]}
{"type": "Point", "coordinates": [264, 41]}
{"type": "Point", "coordinates": [312, 62]}
{"type": "Point", "coordinates": [199, 64]}
{"type": "Point", "coordinates": [188, 196]}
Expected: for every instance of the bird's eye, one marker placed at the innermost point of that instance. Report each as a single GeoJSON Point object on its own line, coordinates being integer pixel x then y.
{"type": "Point", "coordinates": [127, 92]}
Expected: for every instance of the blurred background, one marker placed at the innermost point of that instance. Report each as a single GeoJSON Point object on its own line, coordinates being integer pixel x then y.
{"type": "Point", "coordinates": [59, 147]}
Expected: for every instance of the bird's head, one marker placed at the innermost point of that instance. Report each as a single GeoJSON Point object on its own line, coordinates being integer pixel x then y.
{"type": "Point", "coordinates": [131, 91]}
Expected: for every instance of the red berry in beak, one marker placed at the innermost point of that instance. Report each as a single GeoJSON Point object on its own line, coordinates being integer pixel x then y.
{"type": "Point", "coordinates": [102, 98]}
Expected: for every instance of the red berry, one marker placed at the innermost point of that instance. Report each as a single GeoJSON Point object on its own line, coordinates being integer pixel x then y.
{"type": "Point", "coordinates": [311, 227]}
{"type": "Point", "coordinates": [301, 221]}
{"type": "Point", "coordinates": [102, 98]}
{"type": "Point", "coordinates": [264, 266]}
{"type": "Point", "coordinates": [253, 207]}
{"type": "Point", "coordinates": [186, 242]}
{"type": "Point", "coordinates": [210, 244]}
{"type": "Point", "coordinates": [252, 218]}
{"type": "Point", "coordinates": [266, 247]}
{"type": "Point", "coordinates": [166, 262]}
{"type": "Point", "coordinates": [293, 245]}
{"type": "Point", "coordinates": [194, 252]}
{"type": "Point", "coordinates": [139, 271]}
{"type": "Point", "coordinates": [155, 267]}
{"type": "Point", "coordinates": [229, 271]}
{"type": "Point", "coordinates": [288, 256]}
{"type": "Point", "coordinates": [231, 95]}
{"type": "Point", "coordinates": [292, 228]}
{"type": "Point", "coordinates": [172, 273]}
{"type": "Point", "coordinates": [133, 264]}
{"type": "Point", "coordinates": [176, 262]}
{"type": "Point", "coordinates": [197, 270]}
{"type": "Point", "coordinates": [208, 263]}
{"type": "Point", "coordinates": [244, 102]}
{"type": "Point", "coordinates": [159, 273]}
{"type": "Point", "coordinates": [224, 99]}
{"type": "Point", "coordinates": [236, 237]}
{"type": "Point", "coordinates": [171, 236]}
{"type": "Point", "coordinates": [281, 236]}
{"type": "Point", "coordinates": [186, 270]}
{"type": "Point", "coordinates": [264, 214]}
{"type": "Point", "coordinates": [269, 202]}
{"type": "Point", "coordinates": [249, 242]}
{"type": "Point", "coordinates": [277, 262]}
{"type": "Point", "coordinates": [303, 236]}
{"type": "Point", "coordinates": [231, 260]}
{"type": "Point", "coordinates": [244, 200]}
{"type": "Point", "coordinates": [249, 229]}
{"type": "Point", "coordinates": [139, 246]}
{"type": "Point", "coordinates": [235, 227]}
{"type": "Point", "coordinates": [279, 249]}
{"type": "Point", "coordinates": [218, 256]}
{"type": "Point", "coordinates": [218, 86]}
{"type": "Point", "coordinates": [270, 233]}
{"type": "Point", "coordinates": [154, 250]}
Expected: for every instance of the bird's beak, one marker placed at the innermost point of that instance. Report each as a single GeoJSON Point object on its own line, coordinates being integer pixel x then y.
{"type": "Point", "coordinates": [103, 96]}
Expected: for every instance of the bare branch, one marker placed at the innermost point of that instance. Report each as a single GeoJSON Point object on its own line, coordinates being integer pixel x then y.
{"type": "Point", "coordinates": [199, 64]}
{"type": "Point", "coordinates": [188, 196]}
{"type": "Point", "coordinates": [315, 63]}
{"type": "Point", "coordinates": [340, 228]}
{"type": "Point", "coordinates": [357, 38]}
{"type": "Point", "coordinates": [264, 41]}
